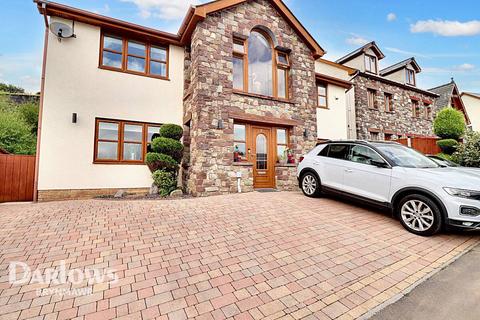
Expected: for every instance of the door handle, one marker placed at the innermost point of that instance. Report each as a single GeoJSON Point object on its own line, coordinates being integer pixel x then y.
{"type": "Point", "coordinates": [348, 170]}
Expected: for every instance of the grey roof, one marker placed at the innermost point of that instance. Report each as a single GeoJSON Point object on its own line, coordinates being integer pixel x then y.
{"type": "Point", "coordinates": [445, 92]}
{"type": "Point", "coordinates": [400, 65]}
{"type": "Point", "coordinates": [360, 50]}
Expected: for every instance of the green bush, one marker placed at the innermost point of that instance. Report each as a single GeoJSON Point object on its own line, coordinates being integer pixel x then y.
{"type": "Point", "coordinates": [166, 182]}
{"type": "Point", "coordinates": [171, 131]}
{"type": "Point", "coordinates": [448, 146]}
{"type": "Point", "coordinates": [157, 161]}
{"type": "Point", "coordinates": [16, 135]}
{"type": "Point", "coordinates": [445, 156]}
{"type": "Point", "coordinates": [468, 153]}
{"type": "Point", "coordinates": [449, 124]}
{"type": "Point", "coordinates": [29, 112]}
{"type": "Point", "coordinates": [168, 146]}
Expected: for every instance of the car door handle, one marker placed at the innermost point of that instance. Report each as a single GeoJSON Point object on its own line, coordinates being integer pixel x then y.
{"type": "Point", "coordinates": [348, 170]}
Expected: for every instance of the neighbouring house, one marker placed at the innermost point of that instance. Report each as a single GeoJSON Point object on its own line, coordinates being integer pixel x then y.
{"type": "Point", "coordinates": [471, 101]}
{"type": "Point", "coordinates": [449, 97]}
{"type": "Point", "coordinates": [244, 78]}
{"type": "Point", "coordinates": [388, 103]}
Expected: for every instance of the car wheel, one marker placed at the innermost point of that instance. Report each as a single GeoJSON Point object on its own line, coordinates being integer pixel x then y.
{"type": "Point", "coordinates": [419, 215]}
{"type": "Point", "coordinates": [311, 185]}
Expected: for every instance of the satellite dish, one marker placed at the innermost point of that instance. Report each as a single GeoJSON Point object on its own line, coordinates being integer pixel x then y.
{"type": "Point", "coordinates": [61, 30]}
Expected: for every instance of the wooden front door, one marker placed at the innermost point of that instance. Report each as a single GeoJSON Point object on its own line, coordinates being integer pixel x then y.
{"type": "Point", "coordinates": [263, 158]}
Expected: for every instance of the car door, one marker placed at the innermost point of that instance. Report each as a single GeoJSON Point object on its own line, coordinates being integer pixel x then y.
{"type": "Point", "coordinates": [330, 164]}
{"type": "Point", "coordinates": [363, 175]}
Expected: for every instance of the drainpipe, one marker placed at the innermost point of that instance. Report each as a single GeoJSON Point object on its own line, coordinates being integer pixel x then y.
{"type": "Point", "coordinates": [42, 96]}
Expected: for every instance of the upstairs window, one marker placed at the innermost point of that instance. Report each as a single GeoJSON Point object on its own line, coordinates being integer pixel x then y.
{"type": "Point", "coordinates": [371, 63]}
{"type": "Point", "coordinates": [371, 98]}
{"type": "Point", "coordinates": [428, 111]}
{"type": "Point", "coordinates": [258, 68]}
{"type": "Point", "coordinates": [410, 76]}
{"type": "Point", "coordinates": [135, 57]}
{"type": "Point", "coordinates": [322, 95]}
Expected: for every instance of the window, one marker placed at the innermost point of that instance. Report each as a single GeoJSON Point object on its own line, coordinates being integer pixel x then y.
{"type": "Point", "coordinates": [282, 145]}
{"type": "Point", "coordinates": [388, 102]}
{"type": "Point", "coordinates": [324, 152]}
{"type": "Point", "coordinates": [322, 95]}
{"type": "Point", "coordinates": [363, 155]}
{"type": "Point", "coordinates": [239, 64]}
{"type": "Point", "coordinates": [371, 97]}
{"type": "Point", "coordinates": [240, 143]}
{"type": "Point", "coordinates": [416, 109]}
{"type": "Point", "coordinates": [263, 70]}
{"type": "Point", "coordinates": [338, 151]}
{"type": "Point", "coordinates": [428, 111]}
{"type": "Point", "coordinates": [134, 57]}
{"type": "Point", "coordinates": [122, 141]}
{"type": "Point", "coordinates": [374, 135]}
{"type": "Point", "coordinates": [388, 136]}
{"type": "Point", "coordinates": [410, 76]}
{"type": "Point", "coordinates": [370, 63]}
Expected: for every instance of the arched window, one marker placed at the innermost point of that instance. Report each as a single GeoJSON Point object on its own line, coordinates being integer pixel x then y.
{"type": "Point", "coordinates": [260, 64]}
{"type": "Point", "coordinates": [258, 67]}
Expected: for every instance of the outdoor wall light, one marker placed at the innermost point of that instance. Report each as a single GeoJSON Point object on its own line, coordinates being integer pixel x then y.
{"type": "Point", "coordinates": [74, 117]}
{"type": "Point", "coordinates": [305, 133]}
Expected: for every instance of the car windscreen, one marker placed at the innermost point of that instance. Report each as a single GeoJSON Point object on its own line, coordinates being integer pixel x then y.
{"type": "Point", "coordinates": [405, 157]}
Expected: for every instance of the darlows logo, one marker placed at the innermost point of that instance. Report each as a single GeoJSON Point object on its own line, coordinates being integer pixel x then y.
{"type": "Point", "coordinates": [21, 274]}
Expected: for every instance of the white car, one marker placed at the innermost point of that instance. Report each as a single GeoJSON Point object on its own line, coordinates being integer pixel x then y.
{"type": "Point", "coordinates": [422, 194]}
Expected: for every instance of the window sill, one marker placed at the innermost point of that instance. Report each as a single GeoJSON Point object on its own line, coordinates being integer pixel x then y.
{"type": "Point", "coordinates": [259, 96]}
{"type": "Point", "coordinates": [134, 73]}
{"type": "Point", "coordinates": [243, 164]}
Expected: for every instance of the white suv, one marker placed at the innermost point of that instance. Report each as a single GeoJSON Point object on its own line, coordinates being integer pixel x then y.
{"type": "Point", "coordinates": [422, 194]}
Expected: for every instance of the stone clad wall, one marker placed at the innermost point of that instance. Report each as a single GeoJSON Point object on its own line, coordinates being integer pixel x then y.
{"type": "Point", "coordinates": [400, 121]}
{"type": "Point", "coordinates": [211, 169]}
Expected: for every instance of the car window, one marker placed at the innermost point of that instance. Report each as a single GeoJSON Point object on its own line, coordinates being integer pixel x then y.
{"type": "Point", "coordinates": [405, 157]}
{"type": "Point", "coordinates": [324, 152]}
{"type": "Point", "coordinates": [338, 151]}
{"type": "Point", "coordinates": [364, 155]}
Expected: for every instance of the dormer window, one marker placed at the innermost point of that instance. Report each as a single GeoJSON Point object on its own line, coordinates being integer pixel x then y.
{"type": "Point", "coordinates": [410, 77]}
{"type": "Point", "coordinates": [371, 63]}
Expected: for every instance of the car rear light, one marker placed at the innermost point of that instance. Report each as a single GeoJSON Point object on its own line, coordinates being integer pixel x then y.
{"type": "Point", "coordinates": [301, 159]}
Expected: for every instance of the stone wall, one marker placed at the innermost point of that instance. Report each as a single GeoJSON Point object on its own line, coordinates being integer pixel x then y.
{"type": "Point", "coordinates": [401, 121]}
{"type": "Point", "coordinates": [211, 98]}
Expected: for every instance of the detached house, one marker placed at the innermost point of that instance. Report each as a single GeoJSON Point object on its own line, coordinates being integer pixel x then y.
{"type": "Point", "coordinates": [449, 97]}
{"type": "Point", "coordinates": [244, 78]}
{"type": "Point", "coordinates": [472, 105]}
{"type": "Point", "coordinates": [388, 103]}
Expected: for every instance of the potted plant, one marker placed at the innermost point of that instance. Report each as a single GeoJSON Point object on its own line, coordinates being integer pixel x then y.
{"type": "Point", "coordinates": [282, 160]}
{"type": "Point", "coordinates": [290, 155]}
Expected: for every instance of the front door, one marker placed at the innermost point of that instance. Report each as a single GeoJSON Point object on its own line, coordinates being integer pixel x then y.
{"type": "Point", "coordinates": [263, 158]}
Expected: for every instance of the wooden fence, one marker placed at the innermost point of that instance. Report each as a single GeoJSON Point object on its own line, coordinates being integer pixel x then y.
{"type": "Point", "coordinates": [425, 145]}
{"type": "Point", "coordinates": [17, 176]}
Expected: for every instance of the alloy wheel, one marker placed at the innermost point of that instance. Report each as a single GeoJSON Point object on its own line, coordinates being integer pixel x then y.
{"type": "Point", "coordinates": [417, 215]}
{"type": "Point", "coordinates": [309, 184]}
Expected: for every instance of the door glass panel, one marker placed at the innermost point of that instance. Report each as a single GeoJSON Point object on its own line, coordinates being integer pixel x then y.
{"type": "Point", "coordinates": [338, 151]}
{"type": "Point", "coordinates": [261, 152]}
{"type": "Point", "coordinates": [361, 154]}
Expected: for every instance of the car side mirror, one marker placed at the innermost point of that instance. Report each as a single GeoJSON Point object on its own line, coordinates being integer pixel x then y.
{"type": "Point", "coordinates": [379, 164]}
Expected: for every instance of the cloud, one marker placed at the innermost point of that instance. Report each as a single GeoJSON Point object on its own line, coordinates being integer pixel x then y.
{"type": "Point", "coordinates": [391, 16]}
{"type": "Point", "coordinates": [465, 67]}
{"type": "Point", "coordinates": [105, 10]}
{"type": "Point", "coordinates": [23, 70]}
{"type": "Point", "coordinates": [163, 9]}
{"type": "Point", "coordinates": [447, 28]}
{"type": "Point", "coordinates": [357, 40]}
{"type": "Point", "coordinates": [406, 53]}
{"type": "Point", "coordinates": [462, 68]}
{"type": "Point", "coordinates": [432, 55]}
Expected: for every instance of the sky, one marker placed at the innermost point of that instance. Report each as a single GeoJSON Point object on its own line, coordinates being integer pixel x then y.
{"type": "Point", "coordinates": [444, 37]}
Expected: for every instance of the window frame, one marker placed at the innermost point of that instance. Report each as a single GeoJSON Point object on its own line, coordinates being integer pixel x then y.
{"type": "Point", "coordinates": [246, 156]}
{"type": "Point", "coordinates": [373, 103]}
{"type": "Point", "coordinates": [276, 65]}
{"type": "Point", "coordinates": [277, 144]}
{"type": "Point", "coordinates": [409, 76]}
{"type": "Point", "coordinates": [375, 64]}
{"type": "Point", "coordinates": [120, 142]}
{"type": "Point", "coordinates": [428, 111]}
{"type": "Point", "coordinates": [415, 106]}
{"type": "Point", "coordinates": [388, 98]}
{"type": "Point", "coordinates": [124, 69]}
{"type": "Point", "coordinates": [319, 95]}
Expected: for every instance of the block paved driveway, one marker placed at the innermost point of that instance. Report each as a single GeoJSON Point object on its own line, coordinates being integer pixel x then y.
{"type": "Point", "coordinates": [248, 256]}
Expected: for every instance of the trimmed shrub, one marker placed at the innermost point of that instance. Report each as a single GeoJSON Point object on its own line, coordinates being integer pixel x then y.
{"type": "Point", "coordinates": [168, 146]}
{"type": "Point", "coordinates": [16, 135]}
{"type": "Point", "coordinates": [448, 146]}
{"type": "Point", "coordinates": [171, 131]}
{"type": "Point", "coordinates": [166, 181]}
{"type": "Point", "coordinates": [157, 161]}
{"type": "Point", "coordinates": [449, 124]}
{"type": "Point", "coordinates": [468, 153]}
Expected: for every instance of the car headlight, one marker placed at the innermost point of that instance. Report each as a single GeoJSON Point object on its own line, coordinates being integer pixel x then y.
{"type": "Point", "coordinates": [463, 193]}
